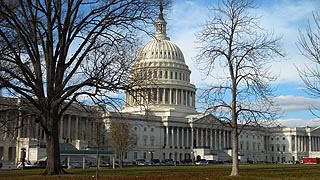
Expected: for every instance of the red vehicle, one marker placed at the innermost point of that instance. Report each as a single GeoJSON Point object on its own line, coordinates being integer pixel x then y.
{"type": "Point", "coordinates": [310, 160]}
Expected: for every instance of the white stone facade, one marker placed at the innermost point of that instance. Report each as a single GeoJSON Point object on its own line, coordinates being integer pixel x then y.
{"type": "Point", "coordinates": [163, 116]}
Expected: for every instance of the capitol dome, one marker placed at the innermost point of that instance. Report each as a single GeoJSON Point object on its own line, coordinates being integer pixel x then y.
{"type": "Point", "coordinates": [160, 49]}
{"type": "Point", "coordinates": [166, 83]}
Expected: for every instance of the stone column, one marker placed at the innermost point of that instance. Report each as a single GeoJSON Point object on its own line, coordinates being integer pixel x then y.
{"type": "Point", "coordinates": [299, 143]}
{"type": "Point", "coordinates": [182, 137]}
{"type": "Point", "coordinates": [77, 127]}
{"type": "Point", "coordinates": [61, 127]}
{"type": "Point", "coordinates": [309, 143]}
{"type": "Point", "coordinates": [290, 143]}
{"type": "Point", "coordinates": [172, 137]}
{"type": "Point", "coordinates": [216, 142]}
{"type": "Point", "coordinates": [167, 135]}
{"type": "Point", "coordinates": [177, 96]}
{"type": "Point", "coordinates": [188, 98]}
{"type": "Point", "coordinates": [220, 139]}
{"type": "Point", "coordinates": [69, 127]}
{"type": "Point", "coordinates": [201, 137]}
{"type": "Point", "coordinates": [178, 137]}
{"type": "Point", "coordinates": [192, 137]}
{"type": "Point", "coordinates": [211, 138]}
{"type": "Point", "coordinates": [196, 139]}
{"type": "Point", "coordinates": [158, 93]}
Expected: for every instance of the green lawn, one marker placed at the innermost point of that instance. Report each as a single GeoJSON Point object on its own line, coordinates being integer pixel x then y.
{"type": "Point", "coordinates": [214, 172]}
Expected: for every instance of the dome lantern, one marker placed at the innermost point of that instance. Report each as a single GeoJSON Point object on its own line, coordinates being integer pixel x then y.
{"type": "Point", "coordinates": [161, 24]}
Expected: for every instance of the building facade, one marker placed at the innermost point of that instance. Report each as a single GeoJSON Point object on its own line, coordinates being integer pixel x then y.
{"type": "Point", "coordinates": [163, 116]}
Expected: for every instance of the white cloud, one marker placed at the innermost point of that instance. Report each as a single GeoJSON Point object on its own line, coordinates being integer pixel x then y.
{"type": "Point", "coordinates": [296, 103]}
{"type": "Point", "coordinates": [284, 18]}
{"type": "Point", "coordinates": [299, 122]}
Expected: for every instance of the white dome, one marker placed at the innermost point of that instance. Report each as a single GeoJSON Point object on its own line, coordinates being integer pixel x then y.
{"type": "Point", "coordinates": [166, 87]}
{"type": "Point", "coordinates": [160, 49]}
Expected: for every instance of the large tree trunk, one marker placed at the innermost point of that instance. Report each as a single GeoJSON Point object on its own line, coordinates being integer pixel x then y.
{"type": "Point", "coordinates": [235, 153]}
{"type": "Point", "coordinates": [234, 131]}
{"type": "Point", "coordinates": [52, 147]}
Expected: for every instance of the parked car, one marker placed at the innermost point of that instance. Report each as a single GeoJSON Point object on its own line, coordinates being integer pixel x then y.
{"type": "Point", "coordinates": [26, 165]}
{"type": "Point", "coordinates": [214, 162]}
{"type": "Point", "coordinates": [155, 162]}
{"type": "Point", "coordinates": [202, 162]}
{"type": "Point", "coordinates": [140, 162]}
{"type": "Point", "coordinates": [167, 162]}
{"type": "Point", "coordinates": [186, 161]}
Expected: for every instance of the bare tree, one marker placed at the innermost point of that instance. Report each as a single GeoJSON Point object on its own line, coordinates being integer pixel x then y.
{"type": "Point", "coordinates": [53, 53]}
{"type": "Point", "coordinates": [234, 41]}
{"type": "Point", "coordinates": [308, 44]}
{"type": "Point", "coordinates": [122, 138]}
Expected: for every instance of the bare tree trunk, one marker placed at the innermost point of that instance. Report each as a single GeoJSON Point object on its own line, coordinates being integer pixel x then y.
{"type": "Point", "coordinates": [120, 159]}
{"type": "Point", "coordinates": [235, 153]}
{"type": "Point", "coordinates": [234, 126]}
{"type": "Point", "coordinates": [52, 147]}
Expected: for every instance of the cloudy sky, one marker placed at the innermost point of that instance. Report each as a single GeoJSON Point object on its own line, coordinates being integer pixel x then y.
{"type": "Point", "coordinates": [284, 18]}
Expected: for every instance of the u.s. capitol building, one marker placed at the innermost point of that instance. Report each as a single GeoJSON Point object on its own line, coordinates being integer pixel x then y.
{"type": "Point", "coordinates": [163, 117]}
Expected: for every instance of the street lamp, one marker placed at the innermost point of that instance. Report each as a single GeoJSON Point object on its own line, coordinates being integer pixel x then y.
{"type": "Point", "coordinates": [23, 156]}
{"type": "Point", "coordinates": [151, 156]}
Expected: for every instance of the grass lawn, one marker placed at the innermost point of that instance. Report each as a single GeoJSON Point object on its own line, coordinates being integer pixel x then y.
{"type": "Point", "coordinates": [213, 172]}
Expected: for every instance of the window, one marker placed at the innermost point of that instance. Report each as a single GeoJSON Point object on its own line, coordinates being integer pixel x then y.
{"type": "Point", "coordinates": [171, 75]}
{"type": "Point", "coordinates": [152, 141]}
{"type": "Point", "coordinates": [166, 74]}
{"type": "Point", "coordinates": [284, 148]}
{"type": "Point", "coordinates": [152, 129]}
{"type": "Point", "coordinates": [135, 155]}
{"type": "Point", "coordinates": [145, 138]}
{"type": "Point", "coordinates": [175, 75]}
{"type": "Point", "coordinates": [145, 129]}
{"type": "Point", "coordinates": [144, 155]}
{"type": "Point", "coordinates": [160, 74]}
{"type": "Point", "coordinates": [283, 138]}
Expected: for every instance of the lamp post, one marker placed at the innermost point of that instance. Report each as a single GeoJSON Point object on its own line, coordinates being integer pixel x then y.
{"type": "Point", "coordinates": [151, 156]}
{"type": "Point", "coordinates": [23, 156]}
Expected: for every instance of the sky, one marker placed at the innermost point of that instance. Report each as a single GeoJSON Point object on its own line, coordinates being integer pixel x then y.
{"type": "Point", "coordinates": [285, 18]}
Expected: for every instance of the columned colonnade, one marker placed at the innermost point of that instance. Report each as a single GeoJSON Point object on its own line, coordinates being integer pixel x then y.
{"type": "Point", "coordinates": [305, 143]}
{"type": "Point", "coordinates": [191, 137]}
{"type": "Point", "coordinates": [174, 96]}
{"type": "Point", "coordinates": [74, 127]}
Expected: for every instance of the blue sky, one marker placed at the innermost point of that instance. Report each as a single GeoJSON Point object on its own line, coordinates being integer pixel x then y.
{"type": "Point", "coordinates": [284, 18]}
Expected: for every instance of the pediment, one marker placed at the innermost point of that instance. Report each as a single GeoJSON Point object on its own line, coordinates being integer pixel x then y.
{"type": "Point", "coordinates": [204, 120]}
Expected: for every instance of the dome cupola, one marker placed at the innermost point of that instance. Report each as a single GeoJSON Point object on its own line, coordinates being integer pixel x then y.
{"type": "Point", "coordinates": [162, 64]}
